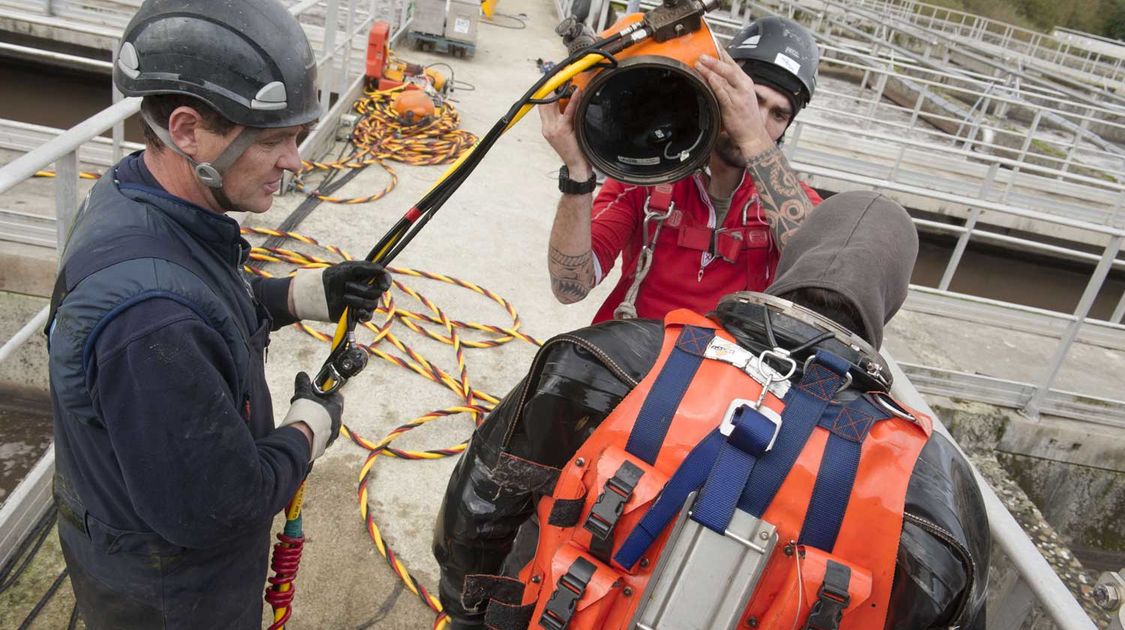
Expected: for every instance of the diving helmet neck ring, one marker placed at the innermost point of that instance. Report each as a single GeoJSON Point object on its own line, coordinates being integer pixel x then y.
{"type": "Point", "coordinates": [868, 365]}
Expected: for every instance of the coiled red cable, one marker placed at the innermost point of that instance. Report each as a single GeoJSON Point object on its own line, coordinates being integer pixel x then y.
{"type": "Point", "coordinates": [286, 559]}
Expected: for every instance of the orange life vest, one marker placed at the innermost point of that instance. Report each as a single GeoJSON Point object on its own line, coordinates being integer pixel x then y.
{"type": "Point", "coordinates": [602, 593]}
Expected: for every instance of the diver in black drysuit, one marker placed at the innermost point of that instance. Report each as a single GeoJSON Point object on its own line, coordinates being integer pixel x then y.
{"type": "Point", "coordinates": [859, 246]}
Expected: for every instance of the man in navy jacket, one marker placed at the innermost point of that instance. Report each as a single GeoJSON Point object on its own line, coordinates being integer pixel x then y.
{"type": "Point", "coordinates": [169, 468]}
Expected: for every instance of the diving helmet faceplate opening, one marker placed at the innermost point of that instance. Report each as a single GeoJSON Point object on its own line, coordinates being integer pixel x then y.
{"type": "Point", "coordinates": [648, 121]}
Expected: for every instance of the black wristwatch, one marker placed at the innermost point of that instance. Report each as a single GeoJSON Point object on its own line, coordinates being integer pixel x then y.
{"type": "Point", "coordinates": [568, 186]}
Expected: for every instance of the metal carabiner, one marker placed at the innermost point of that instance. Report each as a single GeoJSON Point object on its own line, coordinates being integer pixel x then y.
{"type": "Point", "coordinates": [782, 355]}
{"type": "Point", "coordinates": [340, 367]}
{"type": "Point", "coordinates": [770, 375]}
{"type": "Point", "coordinates": [328, 372]}
{"type": "Point", "coordinates": [651, 216]}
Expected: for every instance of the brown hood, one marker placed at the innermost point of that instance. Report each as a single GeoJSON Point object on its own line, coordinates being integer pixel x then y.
{"type": "Point", "coordinates": [859, 244]}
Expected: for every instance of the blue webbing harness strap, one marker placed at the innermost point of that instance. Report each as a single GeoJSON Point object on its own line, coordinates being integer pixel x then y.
{"type": "Point", "coordinates": [749, 480]}
{"type": "Point", "coordinates": [737, 469]}
{"type": "Point", "coordinates": [750, 439]}
{"type": "Point", "coordinates": [691, 474]}
{"type": "Point", "coordinates": [804, 406]}
{"type": "Point", "coordinates": [834, 481]}
{"type": "Point", "coordinates": [655, 416]}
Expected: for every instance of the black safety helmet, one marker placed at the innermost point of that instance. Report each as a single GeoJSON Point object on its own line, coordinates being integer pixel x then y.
{"type": "Point", "coordinates": [781, 54]}
{"type": "Point", "coordinates": [247, 59]}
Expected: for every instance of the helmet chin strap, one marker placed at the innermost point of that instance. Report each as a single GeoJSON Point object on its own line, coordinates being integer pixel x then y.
{"type": "Point", "coordinates": [210, 174]}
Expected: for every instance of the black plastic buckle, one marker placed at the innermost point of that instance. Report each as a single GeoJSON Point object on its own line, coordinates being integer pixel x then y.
{"type": "Point", "coordinates": [560, 608]}
{"type": "Point", "coordinates": [832, 599]}
{"type": "Point", "coordinates": [611, 502]}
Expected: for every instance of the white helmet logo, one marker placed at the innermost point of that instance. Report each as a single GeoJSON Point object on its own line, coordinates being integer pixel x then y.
{"type": "Point", "coordinates": [751, 42]}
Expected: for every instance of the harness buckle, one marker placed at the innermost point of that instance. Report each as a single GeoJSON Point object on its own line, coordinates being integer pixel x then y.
{"type": "Point", "coordinates": [729, 419]}
{"type": "Point", "coordinates": [560, 608]}
{"type": "Point", "coordinates": [611, 502]}
{"type": "Point", "coordinates": [832, 599]}
{"type": "Point", "coordinates": [827, 612]}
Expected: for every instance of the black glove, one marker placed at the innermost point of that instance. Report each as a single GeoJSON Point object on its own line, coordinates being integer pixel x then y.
{"type": "Point", "coordinates": [322, 294]}
{"type": "Point", "coordinates": [322, 414]}
{"type": "Point", "coordinates": [355, 283]}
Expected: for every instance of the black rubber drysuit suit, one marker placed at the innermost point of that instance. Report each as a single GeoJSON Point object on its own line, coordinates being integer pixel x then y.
{"type": "Point", "coordinates": [859, 245]}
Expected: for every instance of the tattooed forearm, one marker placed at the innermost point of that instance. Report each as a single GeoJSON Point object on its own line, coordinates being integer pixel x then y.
{"type": "Point", "coordinates": [783, 199]}
{"type": "Point", "coordinates": [572, 277]}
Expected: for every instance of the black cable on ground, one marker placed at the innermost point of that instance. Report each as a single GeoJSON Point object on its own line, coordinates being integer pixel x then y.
{"type": "Point", "coordinates": [519, 23]}
{"type": "Point", "coordinates": [38, 535]}
{"type": "Point", "coordinates": [73, 623]}
{"type": "Point", "coordinates": [302, 211]}
{"type": "Point", "coordinates": [43, 601]}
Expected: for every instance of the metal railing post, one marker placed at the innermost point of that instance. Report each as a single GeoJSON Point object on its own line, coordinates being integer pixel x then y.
{"type": "Point", "coordinates": [603, 16]}
{"type": "Point", "coordinates": [1077, 140]}
{"type": "Point", "coordinates": [1119, 312]}
{"type": "Point", "coordinates": [1080, 313]}
{"type": "Point", "coordinates": [790, 145]}
{"type": "Point", "coordinates": [917, 108]}
{"type": "Point", "coordinates": [346, 62]}
{"type": "Point", "coordinates": [1013, 606]}
{"type": "Point", "coordinates": [329, 44]}
{"type": "Point", "coordinates": [66, 195]}
{"type": "Point", "coordinates": [1023, 153]}
{"type": "Point", "coordinates": [119, 127]}
{"type": "Point", "coordinates": [970, 225]}
{"type": "Point", "coordinates": [959, 250]}
{"type": "Point", "coordinates": [880, 87]}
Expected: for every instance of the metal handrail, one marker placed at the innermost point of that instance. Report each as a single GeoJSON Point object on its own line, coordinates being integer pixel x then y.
{"type": "Point", "coordinates": [28, 164]}
{"type": "Point", "coordinates": [24, 334]}
{"type": "Point", "coordinates": [1088, 183]}
{"type": "Point", "coordinates": [978, 84]}
{"type": "Point", "coordinates": [1035, 40]}
{"type": "Point", "coordinates": [970, 202]}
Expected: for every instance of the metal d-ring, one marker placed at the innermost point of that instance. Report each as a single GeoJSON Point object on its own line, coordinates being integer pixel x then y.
{"type": "Point", "coordinates": [783, 356]}
{"type": "Point", "coordinates": [893, 409]}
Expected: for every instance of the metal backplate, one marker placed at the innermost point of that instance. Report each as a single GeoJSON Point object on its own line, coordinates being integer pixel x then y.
{"type": "Point", "coordinates": [704, 580]}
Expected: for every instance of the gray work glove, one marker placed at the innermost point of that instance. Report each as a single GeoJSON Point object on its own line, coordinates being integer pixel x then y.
{"type": "Point", "coordinates": [322, 294]}
{"type": "Point", "coordinates": [322, 414]}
